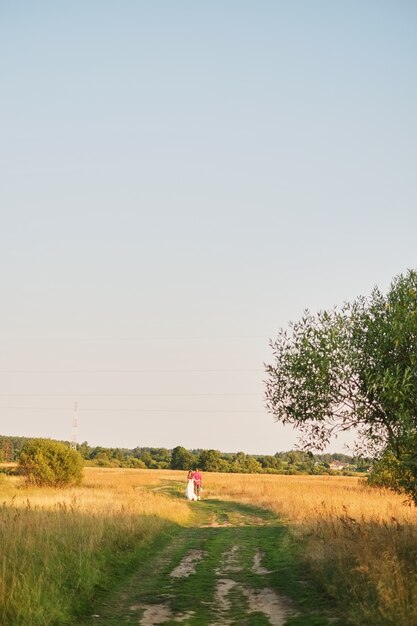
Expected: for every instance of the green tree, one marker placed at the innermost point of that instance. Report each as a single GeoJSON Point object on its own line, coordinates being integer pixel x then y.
{"type": "Point", "coordinates": [162, 456]}
{"type": "Point", "coordinates": [47, 462]}
{"type": "Point", "coordinates": [136, 463]}
{"type": "Point", "coordinates": [385, 472]}
{"type": "Point", "coordinates": [147, 459]}
{"type": "Point", "coordinates": [6, 450]}
{"type": "Point", "coordinates": [269, 462]}
{"type": "Point", "coordinates": [182, 459]}
{"type": "Point", "coordinates": [210, 460]}
{"type": "Point", "coordinates": [84, 449]}
{"type": "Point", "coordinates": [354, 367]}
{"type": "Point", "coordinates": [245, 463]}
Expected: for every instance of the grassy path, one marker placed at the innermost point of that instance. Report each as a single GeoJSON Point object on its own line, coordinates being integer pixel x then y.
{"type": "Point", "coordinates": [233, 566]}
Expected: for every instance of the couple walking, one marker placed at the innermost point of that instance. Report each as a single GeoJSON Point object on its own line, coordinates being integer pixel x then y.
{"type": "Point", "coordinates": [194, 485]}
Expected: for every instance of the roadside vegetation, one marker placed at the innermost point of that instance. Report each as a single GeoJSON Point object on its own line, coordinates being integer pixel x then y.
{"type": "Point", "coordinates": [359, 543]}
{"type": "Point", "coordinates": [353, 547]}
{"type": "Point", "coordinates": [47, 462]}
{"type": "Point", "coordinates": [60, 547]}
{"type": "Point", "coordinates": [354, 367]}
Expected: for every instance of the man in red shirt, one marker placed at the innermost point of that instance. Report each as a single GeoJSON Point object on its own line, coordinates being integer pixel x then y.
{"type": "Point", "coordinates": [198, 483]}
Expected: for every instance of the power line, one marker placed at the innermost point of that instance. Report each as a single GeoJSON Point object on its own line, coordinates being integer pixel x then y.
{"type": "Point", "coordinates": [75, 427]}
{"type": "Point", "coordinates": [130, 371]}
{"type": "Point", "coordinates": [126, 395]}
{"type": "Point", "coordinates": [153, 339]}
{"type": "Point", "coordinates": [61, 408]}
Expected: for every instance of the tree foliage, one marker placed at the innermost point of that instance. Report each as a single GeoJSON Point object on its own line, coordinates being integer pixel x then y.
{"type": "Point", "coordinates": [292, 461]}
{"type": "Point", "coordinates": [354, 367]}
{"type": "Point", "coordinates": [47, 462]}
{"type": "Point", "coordinates": [210, 461]}
{"type": "Point", "coordinates": [182, 459]}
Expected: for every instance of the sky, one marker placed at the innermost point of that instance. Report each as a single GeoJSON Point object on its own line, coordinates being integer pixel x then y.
{"type": "Point", "coordinates": [179, 180]}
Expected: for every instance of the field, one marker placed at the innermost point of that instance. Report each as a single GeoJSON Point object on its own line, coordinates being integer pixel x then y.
{"type": "Point", "coordinates": [353, 548]}
{"type": "Point", "coordinates": [359, 543]}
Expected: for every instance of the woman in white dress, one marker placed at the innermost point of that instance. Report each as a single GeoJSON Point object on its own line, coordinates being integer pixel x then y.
{"type": "Point", "coordinates": [189, 492]}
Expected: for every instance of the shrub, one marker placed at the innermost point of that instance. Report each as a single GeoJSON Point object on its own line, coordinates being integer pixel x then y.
{"type": "Point", "coordinates": [47, 462]}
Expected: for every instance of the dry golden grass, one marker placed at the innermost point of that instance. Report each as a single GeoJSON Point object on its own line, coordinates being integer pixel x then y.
{"type": "Point", "coordinates": [104, 492]}
{"type": "Point", "coordinates": [359, 542]}
{"type": "Point", "coordinates": [58, 545]}
{"type": "Point", "coordinates": [301, 499]}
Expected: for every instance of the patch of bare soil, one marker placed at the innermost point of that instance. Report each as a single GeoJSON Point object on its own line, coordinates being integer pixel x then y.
{"type": "Point", "coordinates": [257, 566]}
{"type": "Point", "coordinates": [266, 601]}
{"type": "Point", "coordinates": [154, 614]}
{"type": "Point", "coordinates": [221, 600]}
{"type": "Point", "coordinates": [239, 520]}
{"type": "Point", "coordinates": [275, 607]}
{"type": "Point", "coordinates": [229, 562]}
{"type": "Point", "coordinates": [158, 614]}
{"type": "Point", "coordinates": [258, 521]}
{"type": "Point", "coordinates": [188, 564]}
{"type": "Point", "coordinates": [214, 523]}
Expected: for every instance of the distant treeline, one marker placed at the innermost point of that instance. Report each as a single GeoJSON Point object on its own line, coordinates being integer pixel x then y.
{"type": "Point", "coordinates": [291, 462]}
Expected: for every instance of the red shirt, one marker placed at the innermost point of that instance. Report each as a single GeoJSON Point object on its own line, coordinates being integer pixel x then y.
{"type": "Point", "coordinates": [198, 478]}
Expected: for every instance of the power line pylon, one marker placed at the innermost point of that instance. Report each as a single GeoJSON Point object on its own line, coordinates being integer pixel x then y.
{"type": "Point", "coordinates": [75, 427]}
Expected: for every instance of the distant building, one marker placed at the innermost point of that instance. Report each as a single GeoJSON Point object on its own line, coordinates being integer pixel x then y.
{"type": "Point", "coordinates": [338, 465]}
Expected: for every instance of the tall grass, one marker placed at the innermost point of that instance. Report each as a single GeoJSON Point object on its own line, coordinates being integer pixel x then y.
{"type": "Point", "coordinates": [359, 543]}
{"type": "Point", "coordinates": [59, 546]}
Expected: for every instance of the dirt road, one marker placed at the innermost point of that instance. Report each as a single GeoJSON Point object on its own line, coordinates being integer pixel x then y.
{"type": "Point", "coordinates": [233, 566]}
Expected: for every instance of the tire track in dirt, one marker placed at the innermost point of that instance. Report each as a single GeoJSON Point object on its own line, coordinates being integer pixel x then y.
{"type": "Point", "coordinates": [265, 600]}
{"type": "Point", "coordinates": [210, 574]}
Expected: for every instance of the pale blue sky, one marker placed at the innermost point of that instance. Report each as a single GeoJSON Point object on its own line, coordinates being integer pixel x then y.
{"type": "Point", "coordinates": [179, 180]}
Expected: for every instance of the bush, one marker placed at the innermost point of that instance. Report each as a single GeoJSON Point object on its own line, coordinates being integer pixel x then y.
{"type": "Point", "coordinates": [47, 462]}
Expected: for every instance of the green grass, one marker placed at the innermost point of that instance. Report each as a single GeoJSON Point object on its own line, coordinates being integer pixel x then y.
{"type": "Point", "coordinates": [56, 564]}
{"type": "Point", "coordinates": [249, 529]}
{"type": "Point", "coordinates": [60, 567]}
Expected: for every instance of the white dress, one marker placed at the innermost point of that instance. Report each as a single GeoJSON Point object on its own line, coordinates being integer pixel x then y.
{"type": "Point", "coordinates": [189, 492]}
